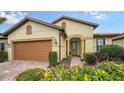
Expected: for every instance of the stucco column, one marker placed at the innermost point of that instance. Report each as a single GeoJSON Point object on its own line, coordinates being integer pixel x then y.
{"type": "Point", "coordinates": [68, 46]}
{"type": "Point", "coordinates": [82, 48]}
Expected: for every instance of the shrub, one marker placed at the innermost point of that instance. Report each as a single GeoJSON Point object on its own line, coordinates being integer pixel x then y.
{"type": "Point", "coordinates": [30, 75]}
{"type": "Point", "coordinates": [114, 70]}
{"type": "Point", "coordinates": [104, 72]}
{"type": "Point", "coordinates": [90, 58]}
{"type": "Point", "coordinates": [3, 56]}
{"type": "Point", "coordinates": [101, 56]}
{"type": "Point", "coordinates": [93, 74]}
{"type": "Point", "coordinates": [69, 59]}
{"type": "Point", "coordinates": [63, 73]}
{"type": "Point", "coordinates": [53, 58]}
{"type": "Point", "coordinates": [121, 56]}
{"type": "Point", "coordinates": [113, 51]}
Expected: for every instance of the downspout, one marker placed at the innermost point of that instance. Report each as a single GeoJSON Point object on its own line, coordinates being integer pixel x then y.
{"type": "Point", "coordinates": [60, 46]}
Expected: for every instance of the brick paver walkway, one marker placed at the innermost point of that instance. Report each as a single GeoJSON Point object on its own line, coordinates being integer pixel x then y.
{"type": "Point", "coordinates": [8, 70]}
{"type": "Point", "coordinates": [76, 61]}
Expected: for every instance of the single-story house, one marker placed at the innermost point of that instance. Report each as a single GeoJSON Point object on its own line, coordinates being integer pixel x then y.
{"type": "Point", "coordinates": [119, 40]}
{"type": "Point", "coordinates": [32, 39]}
{"type": "Point", "coordinates": [3, 43]}
{"type": "Point", "coordinates": [101, 39]}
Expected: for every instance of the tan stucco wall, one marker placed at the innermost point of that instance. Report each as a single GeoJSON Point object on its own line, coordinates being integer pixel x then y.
{"type": "Point", "coordinates": [38, 31]}
{"type": "Point", "coordinates": [89, 46]}
{"type": "Point", "coordinates": [119, 42]}
{"type": "Point", "coordinates": [83, 30]}
{"type": "Point", "coordinates": [3, 41]}
{"type": "Point", "coordinates": [108, 41]}
{"type": "Point", "coordinates": [73, 27]}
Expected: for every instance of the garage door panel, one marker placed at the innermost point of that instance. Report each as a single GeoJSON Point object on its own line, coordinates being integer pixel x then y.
{"type": "Point", "coordinates": [32, 50]}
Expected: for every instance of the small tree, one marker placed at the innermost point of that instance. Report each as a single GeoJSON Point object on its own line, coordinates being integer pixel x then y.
{"type": "Point", "coordinates": [2, 20]}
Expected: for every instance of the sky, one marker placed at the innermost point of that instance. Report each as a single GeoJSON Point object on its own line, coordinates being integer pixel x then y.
{"type": "Point", "coordinates": [109, 22]}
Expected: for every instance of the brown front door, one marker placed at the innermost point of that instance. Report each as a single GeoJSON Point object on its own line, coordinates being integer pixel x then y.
{"type": "Point", "coordinates": [32, 50]}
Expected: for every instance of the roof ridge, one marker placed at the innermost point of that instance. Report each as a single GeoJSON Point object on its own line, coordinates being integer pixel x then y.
{"type": "Point", "coordinates": [28, 17]}
{"type": "Point", "coordinates": [75, 19]}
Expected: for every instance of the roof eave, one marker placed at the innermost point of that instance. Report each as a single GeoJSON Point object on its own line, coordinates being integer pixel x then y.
{"type": "Point", "coordinates": [74, 19]}
{"type": "Point", "coordinates": [26, 19]}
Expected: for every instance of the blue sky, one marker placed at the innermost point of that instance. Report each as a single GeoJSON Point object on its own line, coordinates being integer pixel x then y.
{"type": "Point", "coordinates": [108, 21]}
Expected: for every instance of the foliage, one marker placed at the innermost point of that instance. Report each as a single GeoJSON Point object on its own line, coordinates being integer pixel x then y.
{"type": "Point", "coordinates": [113, 51]}
{"type": "Point", "coordinates": [101, 56]}
{"type": "Point", "coordinates": [3, 56]}
{"type": "Point", "coordinates": [53, 58]}
{"type": "Point", "coordinates": [114, 70]}
{"type": "Point", "coordinates": [30, 75]}
{"type": "Point", "coordinates": [93, 74]}
{"type": "Point", "coordinates": [104, 71]}
{"type": "Point", "coordinates": [90, 58]}
{"type": "Point", "coordinates": [2, 19]}
{"type": "Point", "coordinates": [69, 59]}
{"type": "Point", "coordinates": [122, 67]}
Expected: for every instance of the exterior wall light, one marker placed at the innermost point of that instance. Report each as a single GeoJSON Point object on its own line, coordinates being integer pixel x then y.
{"type": "Point", "coordinates": [55, 41]}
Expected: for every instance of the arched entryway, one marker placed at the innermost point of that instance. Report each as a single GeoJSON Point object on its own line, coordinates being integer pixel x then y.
{"type": "Point", "coordinates": [75, 45]}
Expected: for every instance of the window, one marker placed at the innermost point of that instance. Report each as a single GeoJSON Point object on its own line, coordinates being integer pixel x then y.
{"type": "Point", "coordinates": [29, 30]}
{"type": "Point", "coordinates": [2, 46]}
{"type": "Point", "coordinates": [100, 43]}
{"type": "Point", "coordinates": [64, 25]}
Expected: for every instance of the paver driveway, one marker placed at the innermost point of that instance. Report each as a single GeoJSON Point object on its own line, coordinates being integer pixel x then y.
{"type": "Point", "coordinates": [9, 69]}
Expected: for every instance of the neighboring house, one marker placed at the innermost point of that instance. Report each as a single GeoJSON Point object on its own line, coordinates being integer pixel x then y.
{"type": "Point", "coordinates": [119, 40]}
{"type": "Point", "coordinates": [3, 43]}
{"type": "Point", "coordinates": [32, 39]}
{"type": "Point", "coordinates": [101, 39]}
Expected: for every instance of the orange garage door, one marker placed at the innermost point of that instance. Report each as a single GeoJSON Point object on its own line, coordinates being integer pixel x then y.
{"type": "Point", "coordinates": [32, 50]}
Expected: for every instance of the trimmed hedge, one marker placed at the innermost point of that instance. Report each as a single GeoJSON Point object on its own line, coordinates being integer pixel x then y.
{"type": "Point", "coordinates": [53, 58]}
{"type": "Point", "coordinates": [3, 56]}
{"type": "Point", "coordinates": [69, 59]}
{"type": "Point", "coordinates": [113, 51]}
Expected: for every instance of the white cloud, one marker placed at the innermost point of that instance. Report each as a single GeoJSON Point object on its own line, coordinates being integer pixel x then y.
{"type": "Point", "coordinates": [13, 17]}
{"type": "Point", "coordinates": [97, 14]}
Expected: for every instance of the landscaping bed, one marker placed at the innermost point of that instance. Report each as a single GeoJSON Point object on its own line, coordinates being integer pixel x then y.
{"type": "Point", "coordinates": [100, 66]}
{"type": "Point", "coordinates": [105, 71]}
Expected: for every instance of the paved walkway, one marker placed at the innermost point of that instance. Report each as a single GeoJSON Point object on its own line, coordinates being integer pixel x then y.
{"type": "Point", "coordinates": [76, 61]}
{"type": "Point", "coordinates": [9, 69]}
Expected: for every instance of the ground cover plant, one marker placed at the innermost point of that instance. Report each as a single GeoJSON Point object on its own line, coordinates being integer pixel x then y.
{"type": "Point", "coordinates": [105, 71]}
